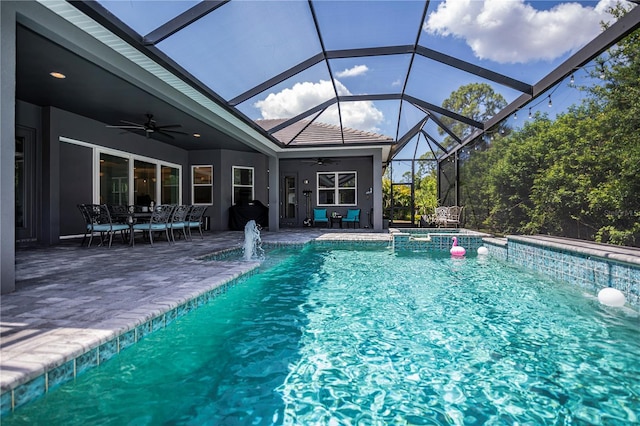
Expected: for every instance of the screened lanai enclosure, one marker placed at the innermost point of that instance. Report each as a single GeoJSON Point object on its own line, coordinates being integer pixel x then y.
{"type": "Point", "coordinates": [431, 81]}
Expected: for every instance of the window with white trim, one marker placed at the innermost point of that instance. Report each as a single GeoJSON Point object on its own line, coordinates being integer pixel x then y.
{"type": "Point", "coordinates": [242, 191]}
{"type": "Point", "coordinates": [202, 184]}
{"type": "Point", "coordinates": [337, 188]}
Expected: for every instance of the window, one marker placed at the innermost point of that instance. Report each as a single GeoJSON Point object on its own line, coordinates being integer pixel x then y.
{"type": "Point", "coordinates": [337, 189]}
{"type": "Point", "coordinates": [125, 179]}
{"type": "Point", "coordinates": [202, 184]}
{"type": "Point", "coordinates": [242, 184]}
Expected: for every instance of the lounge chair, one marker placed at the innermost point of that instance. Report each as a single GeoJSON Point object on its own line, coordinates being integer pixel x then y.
{"type": "Point", "coordinates": [320, 216]}
{"type": "Point", "coordinates": [446, 216]}
{"type": "Point", "coordinates": [353, 216]}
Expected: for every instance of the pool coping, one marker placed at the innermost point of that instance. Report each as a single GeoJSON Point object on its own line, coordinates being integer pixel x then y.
{"type": "Point", "coordinates": [629, 255]}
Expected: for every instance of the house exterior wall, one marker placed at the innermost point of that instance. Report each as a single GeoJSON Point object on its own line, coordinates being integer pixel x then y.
{"type": "Point", "coordinates": [67, 174]}
{"type": "Point", "coordinates": [307, 171]}
{"type": "Point", "coordinates": [222, 162]}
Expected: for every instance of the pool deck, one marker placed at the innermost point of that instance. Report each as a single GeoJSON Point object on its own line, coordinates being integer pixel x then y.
{"type": "Point", "coordinates": [70, 299]}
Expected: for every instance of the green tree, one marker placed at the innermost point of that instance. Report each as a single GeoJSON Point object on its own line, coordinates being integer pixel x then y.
{"type": "Point", "coordinates": [477, 101]}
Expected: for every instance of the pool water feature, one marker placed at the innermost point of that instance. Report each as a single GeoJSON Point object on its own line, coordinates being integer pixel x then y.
{"type": "Point", "coordinates": [252, 248]}
{"type": "Point", "coordinates": [343, 336]}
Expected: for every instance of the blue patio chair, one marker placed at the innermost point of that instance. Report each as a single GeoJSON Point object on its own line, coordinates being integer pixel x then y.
{"type": "Point", "coordinates": [159, 221]}
{"type": "Point", "coordinates": [353, 216]}
{"type": "Point", "coordinates": [320, 216]}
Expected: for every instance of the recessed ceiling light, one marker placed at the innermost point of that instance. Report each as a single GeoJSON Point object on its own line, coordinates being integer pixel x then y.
{"type": "Point", "coordinates": [196, 135]}
{"type": "Point", "coordinates": [56, 74]}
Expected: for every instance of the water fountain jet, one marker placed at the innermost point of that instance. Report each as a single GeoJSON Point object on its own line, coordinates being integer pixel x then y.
{"type": "Point", "coordinates": [252, 242]}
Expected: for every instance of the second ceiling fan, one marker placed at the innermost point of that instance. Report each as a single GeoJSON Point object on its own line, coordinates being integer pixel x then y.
{"type": "Point", "coordinates": [320, 161]}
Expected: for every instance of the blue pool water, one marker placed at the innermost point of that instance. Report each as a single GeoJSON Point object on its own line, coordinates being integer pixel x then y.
{"type": "Point", "coordinates": [332, 337]}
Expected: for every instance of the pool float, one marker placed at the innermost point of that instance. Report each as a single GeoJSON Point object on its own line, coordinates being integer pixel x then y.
{"type": "Point", "coordinates": [457, 250]}
{"type": "Point", "coordinates": [611, 297]}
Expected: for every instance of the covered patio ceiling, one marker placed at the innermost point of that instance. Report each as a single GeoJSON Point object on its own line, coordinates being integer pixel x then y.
{"type": "Point", "coordinates": [382, 68]}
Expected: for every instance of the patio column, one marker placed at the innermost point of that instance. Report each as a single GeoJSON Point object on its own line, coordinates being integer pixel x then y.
{"type": "Point", "coordinates": [274, 193]}
{"type": "Point", "coordinates": [7, 146]}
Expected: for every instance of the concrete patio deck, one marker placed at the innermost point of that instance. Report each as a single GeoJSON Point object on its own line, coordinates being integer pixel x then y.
{"type": "Point", "coordinates": [70, 299]}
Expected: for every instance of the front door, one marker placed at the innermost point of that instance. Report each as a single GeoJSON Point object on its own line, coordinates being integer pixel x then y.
{"type": "Point", "coordinates": [289, 200]}
{"type": "Point", "coordinates": [25, 181]}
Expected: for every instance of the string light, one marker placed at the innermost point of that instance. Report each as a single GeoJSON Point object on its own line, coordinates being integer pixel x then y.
{"type": "Point", "coordinates": [550, 104]}
{"type": "Point", "coordinates": [515, 115]}
{"type": "Point", "coordinates": [573, 80]}
{"type": "Point", "coordinates": [529, 113]}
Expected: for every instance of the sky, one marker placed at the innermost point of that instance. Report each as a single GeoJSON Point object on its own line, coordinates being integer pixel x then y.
{"type": "Point", "coordinates": [244, 43]}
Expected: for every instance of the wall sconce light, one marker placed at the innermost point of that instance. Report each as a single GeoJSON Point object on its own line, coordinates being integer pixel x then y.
{"type": "Point", "coordinates": [306, 181]}
{"type": "Point", "coordinates": [369, 192]}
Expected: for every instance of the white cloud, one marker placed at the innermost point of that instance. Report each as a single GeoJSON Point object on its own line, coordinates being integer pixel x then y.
{"type": "Point", "coordinates": [352, 72]}
{"type": "Point", "coordinates": [304, 96]}
{"type": "Point", "coordinates": [512, 31]}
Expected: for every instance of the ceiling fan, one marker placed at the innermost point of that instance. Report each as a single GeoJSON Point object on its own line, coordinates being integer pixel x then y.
{"type": "Point", "coordinates": [150, 127]}
{"type": "Point", "coordinates": [320, 161]}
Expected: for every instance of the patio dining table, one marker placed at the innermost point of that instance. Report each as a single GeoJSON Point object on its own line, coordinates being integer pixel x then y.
{"type": "Point", "coordinates": [131, 218]}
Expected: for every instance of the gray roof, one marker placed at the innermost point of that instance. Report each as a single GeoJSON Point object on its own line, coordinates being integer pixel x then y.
{"type": "Point", "coordinates": [305, 132]}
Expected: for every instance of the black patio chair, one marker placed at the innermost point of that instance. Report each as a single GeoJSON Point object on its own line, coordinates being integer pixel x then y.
{"type": "Point", "coordinates": [194, 219]}
{"type": "Point", "coordinates": [178, 220]}
{"type": "Point", "coordinates": [158, 222]}
{"type": "Point", "coordinates": [98, 220]}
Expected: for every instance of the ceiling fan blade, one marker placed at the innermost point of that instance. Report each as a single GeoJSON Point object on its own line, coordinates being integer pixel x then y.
{"type": "Point", "coordinates": [126, 127]}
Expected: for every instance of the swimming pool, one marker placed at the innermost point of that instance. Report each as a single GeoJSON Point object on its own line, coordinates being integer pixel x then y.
{"type": "Point", "coordinates": [341, 336]}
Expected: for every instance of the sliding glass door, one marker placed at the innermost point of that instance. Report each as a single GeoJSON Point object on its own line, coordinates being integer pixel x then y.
{"type": "Point", "coordinates": [125, 180]}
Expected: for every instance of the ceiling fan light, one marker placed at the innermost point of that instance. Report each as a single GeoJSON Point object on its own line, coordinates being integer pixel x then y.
{"type": "Point", "coordinates": [58, 75]}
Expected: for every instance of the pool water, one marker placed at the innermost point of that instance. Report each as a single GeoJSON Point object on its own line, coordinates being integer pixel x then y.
{"type": "Point", "coordinates": [353, 336]}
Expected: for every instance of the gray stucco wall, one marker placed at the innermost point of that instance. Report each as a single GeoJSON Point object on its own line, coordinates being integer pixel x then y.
{"type": "Point", "coordinates": [223, 161]}
{"type": "Point", "coordinates": [76, 185]}
{"type": "Point", "coordinates": [305, 170]}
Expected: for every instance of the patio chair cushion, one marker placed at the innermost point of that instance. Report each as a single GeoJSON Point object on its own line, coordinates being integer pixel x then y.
{"type": "Point", "coordinates": [150, 226]}
{"type": "Point", "coordinates": [353, 216]}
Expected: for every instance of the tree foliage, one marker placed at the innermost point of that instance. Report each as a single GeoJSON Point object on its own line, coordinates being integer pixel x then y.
{"type": "Point", "coordinates": [477, 101]}
{"type": "Point", "coordinates": [577, 175]}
